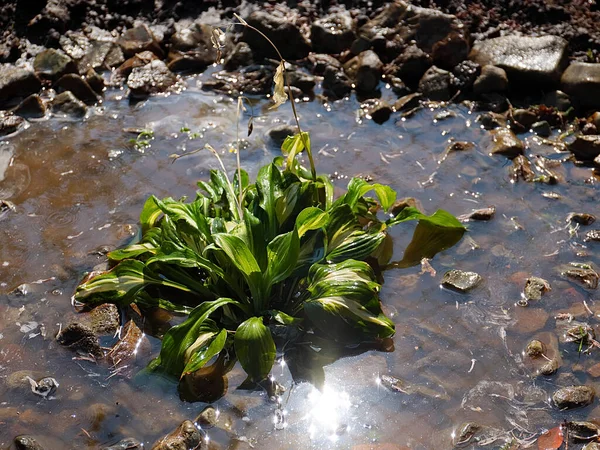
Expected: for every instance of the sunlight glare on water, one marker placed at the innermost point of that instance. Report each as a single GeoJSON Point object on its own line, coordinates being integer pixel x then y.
{"type": "Point", "coordinates": [327, 411]}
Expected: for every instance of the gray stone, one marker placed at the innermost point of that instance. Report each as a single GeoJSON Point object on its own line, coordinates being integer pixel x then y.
{"type": "Point", "coordinates": [24, 442]}
{"type": "Point", "coordinates": [525, 117]}
{"type": "Point", "coordinates": [333, 33]}
{"type": "Point", "coordinates": [432, 26]}
{"type": "Point", "coordinates": [573, 397]}
{"type": "Point", "coordinates": [153, 78]}
{"type": "Point", "coordinates": [492, 79]}
{"type": "Point", "coordinates": [365, 70]}
{"type": "Point", "coordinates": [538, 60]}
{"type": "Point", "coordinates": [436, 84]}
{"type": "Point", "coordinates": [336, 83]}
{"type": "Point", "coordinates": [17, 82]}
{"type": "Point", "coordinates": [542, 128]}
{"type": "Point", "coordinates": [139, 39]}
{"type": "Point", "coordinates": [96, 49]}
{"type": "Point", "coordinates": [78, 86]}
{"type": "Point", "coordinates": [240, 56]}
{"type": "Point", "coordinates": [504, 142]}
{"type": "Point", "coordinates": [10, 123]}
{"type": "Point", "coordinates": [67, 104]}
{"type": "Point", "coordinates": [412, 64]}
{"type": "Point", "coordinates": [286, 35]}
{"type": "Point", "coordinates": [52, 64]}
{"type": "Point", "coordinates": [582, 82]}
{"type": "Point", "coordinates": [186, 436]}
{"type": "Point", "coordinates": [460, 280]}
{"type": "Point", "coordinates": [585, 148]}
{"type": "Point", "coordinates": [95, 80]}
{"type": "Point", "coordinates": [465, 75]}
{"type": "Point", "coordinates": [32, 107]}
{"type": "Point", "coordinates": [450, 51]}
{"type": "Point", "coordinates": [208, 417]}
{"type": "Point", "coordinates": [378, 110]}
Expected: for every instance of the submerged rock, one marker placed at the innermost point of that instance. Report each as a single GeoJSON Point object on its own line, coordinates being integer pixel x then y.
{"type": "Point", "coordinates": [505, 142]}
{"type": "Point", "coordinates": [69, 105]}
{"type": "Point", "coordinates": [78, 86]}
{"type": "Point", "coordinates": [535, 348]}
{"type": "Point", "coordinates": [521, 169]}
{"type": "Point", "coordinates": [460, 280]}
{"type": "Point", "coordinates": [583, 431]}
{"type": "Point", "coordinates": [582, 81]}
{"type": "Point", "coordinates": [125, 444]}
{"type": "Point", "coordinates": [10, 123]}
{"type": "Point", "coordinates": [593, 235]}
{"type": "Point", "coordinates": [573, 397]}
{"type": "Point", "coordinates": [208, 417]}
{"type": "Point", "coordinates": [185, 437]}
{"type": "Point", "coordinates": [479, 214]}
{"type": "Point", "coordinates": [535, 287]}
{"type": "Point", "coordinates": [25, 442]}
{"type": "Point", "coordinates": [542, 128]}
{"type": "Point", "coordinates": [529, 59]}
{"type": "Point", "coordinates": [378, 110]}
{"type": "Point", "coordinates": [591, 446]}
{"type": "Point", "coordinates": [581, 218]}
{"type": "Point", "coordinates": [465, 434]}
{"type": "Point", "coordinates": [79, 337]}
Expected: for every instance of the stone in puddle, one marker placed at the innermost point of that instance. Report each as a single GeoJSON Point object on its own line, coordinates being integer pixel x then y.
{"type": "Point", "coordinates": [504, 142]}
{"type": "Point", "coordinates": [582, 81]}
{"type": "Point", "coordinates": [573, 397]}
{"type": "Point", "coordinates": [535, 348]}
{"type": "Point", "coordinates": [581, 218]}
{"type": "Point", "coordinates": [585, 147]}
{"type": "Point", "coordinates": [31, 108]}
{"type": "Point", "coordinates": [125, 444]}
{"type": "Point", "coordinates": [186, 436]}
{"type": "Point", "coordinates": [67, 104]}
{"type": "Point", "coordinates": [583, 431]}
{"type": "Point", "coordinates": [208, 417]}
{"type": "Point", "coordinates": [479, 214]}
{"type": "Point", "coordinates": [593, 235]}
{"type": "Point", "coordinates": [24, 442]}
{"type": "Point", "coordinates": [460, 280]}
{"type": "Point", "coordinates": [535, 287]}
{"type": "Point", "coordinates": [529, 59]}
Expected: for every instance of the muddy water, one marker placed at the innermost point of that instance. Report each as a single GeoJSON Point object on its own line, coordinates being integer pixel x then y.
{"type": "Point", "coordinates": [79, 186]}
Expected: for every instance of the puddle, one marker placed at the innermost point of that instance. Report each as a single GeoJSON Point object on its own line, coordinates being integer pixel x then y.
{"type": "Point", "coordinates": [79, 187]}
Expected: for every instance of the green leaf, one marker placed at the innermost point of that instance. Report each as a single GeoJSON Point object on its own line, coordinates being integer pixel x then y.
{"type": "Point", "coordinates": [284, 319]}
{"type": "Point", "coordinates": [311, 219]}
{"type": "Point", "coordinates": [178, 339]}
{"type": "Point", "coordinates": [255, 348]}
{"type": "Point", "coordinates": [294, 145]}
{"type": "Point", "coordinates": [203, 350]}
{"type": "Point", "coordinates": [269, 188]}
{"type": "Point", "coordinates": [150, 214]}
{"type": "Point", "coordinates": [121, 284]}
{"type": "Point", "coordinates": [149, 244]}
{"type": "Point", "coordinates": [358, 188]}
{"type": "Point", "coordinates": [282, 256]}
{"type": "Point", "coordinates": [439, 218]}
{"type": "Point", "coordinates": [357, 245]}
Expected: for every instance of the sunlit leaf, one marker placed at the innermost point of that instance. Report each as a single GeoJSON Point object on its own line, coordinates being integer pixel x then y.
{"type": "Point", "coordinates": [203, 350]}
{"type": "Point", "coordinates": [293, 145]}
{"type": "Point", "coordinates": [311, 219]}
{"type": "Point", "coordinates": [255, 348]}
{"type": "Point", "coordinates": [279, 95]}
{"type": "Point", "coordinates": [551, 439]}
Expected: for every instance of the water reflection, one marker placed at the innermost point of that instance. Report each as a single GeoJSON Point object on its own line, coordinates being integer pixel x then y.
{"type": "Point", "coordinates": [327, 414]}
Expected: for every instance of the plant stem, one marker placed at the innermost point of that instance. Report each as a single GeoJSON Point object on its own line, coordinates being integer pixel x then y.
{"type": "Point", "coordinates": [237, 136]}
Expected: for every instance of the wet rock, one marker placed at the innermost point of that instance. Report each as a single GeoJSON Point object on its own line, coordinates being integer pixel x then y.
{"type": "Point", "coordinates": [303, 81]}
{"type": "Point", "coordinates": [336, 83]}
{"type": "Point", "coordinates": [153, 78]}
{"type": "Point", "coordinates": [583, 431]}
{"type": "Point", "coordinates": [10, 123]}
{"type": "Point", "coordinates": [32, 107]}
{"type": "Point", "coordinates": [186, 436]}
{"type": "Point", "coordinates": [51, 64]}
{"type": "Point", "coordinates": [492, 79]}
{"type": "Point", "coordinates": [6, 207]}
{"type": "Point", "coordinates": [450, 51]}
{"type": "Point", "coordinates": [278, 134]}
{"type": "Point", "coordinates": [321, 61]}
{"type": "Point", "coordinates": [404, 203]}
{"type": "Point", "coordinates": [139, 39]}
{"type": "Point", "coordinates": [534, 288]}
{"type": "Point", "coordinates": [530, 320]}
{"type": "Point", "coordinates": [208, 417]}
{"type": "Point", "coordinates": [504, 142]}
{"type": "Point", "coordinates": [460, 280]}
{"type": "Point", "coordinates": [542, 128]}
{"type": "Point", "coordinates": [45, 387]}
{"type": "Point", "coordinates": [19, 380]}
{"type": "Point", "coordinates": [460, 146]}
{"type": "Point", "coordinates": [535, 348]}
{"type": "Point", "coordinates": [365, 70]}
{"type": "Point", "coordinates": [537, 60]}
{"type": "Point", "coordinates": [585, 148]}
{"type": "Point", "coordinates": [549, 368]}
{"type": "Point", "coordinates": [332, 34]}
{"type": "Point", "coordinates": [436, 84]}
{"type": "Point", "coordinates": [593, 235]}
{"type": "Point", "coordinates": [581, 218]}
{"type": "Point", "coordinates": [525, 117]}
{"type": "Point", "coordinates": [191, 61]}
{"type": "Point", "coordinates": [24, 442]}
{"type": "Point", "coordinates": [79, 337]}
{"type": "Point", "coordinates": [398, 385]}
{"type": "Point", "coordinates": [240, 56]}
{"type": "Point", "coordinates": [67, 104]}
{"type": "Point", "coordinates": [78, 86]}
{"type": "Point", "coordinates": [412, 64]}
{"type": "Point", "coordinates": [95, 80]}
{"type": "Point", "coordinates": [432, 26]}
{"type": "Point", "coordinates": [582, 82]}
{"type": "Point", "coordinates": [465, 75]}
{"type": "Point", "coordinates": [125, 444]}
{"type": "Point", "coordinates": [558, 100]}
{"type": "Point", "coordinates": [491, 120]}
{"type": "Point", "coordinates": [591, 446]}
{"type": "Point", "coordinates": [573, 397]}
{"type": "Point", "coordinates": [192, 49]}
{"type": "Point", "coordinates": [408, 102]}
{"type": "Point", "coordinates": [479, 214]}
{"type": "Point", "coordinates": [584, 273]}
{"type": "Point", "coordinates": [286, 35]}
{"type": "Point", "coordinates": [17, 82]}
{"type": "Point", "coordinates": [378, 110]}
{"type": "Point", "coordinates": [138, 60]}
{"type": "Point", "coordinates": [132, 344]}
